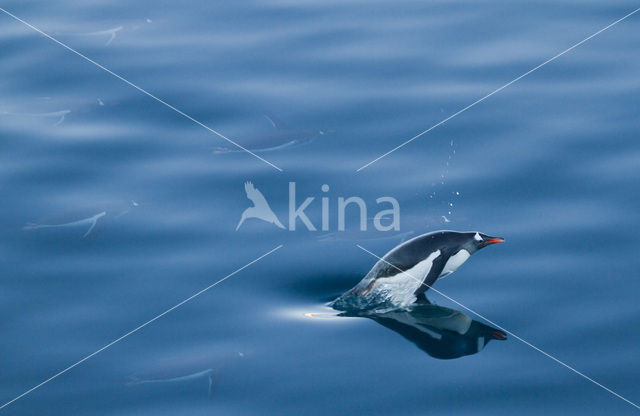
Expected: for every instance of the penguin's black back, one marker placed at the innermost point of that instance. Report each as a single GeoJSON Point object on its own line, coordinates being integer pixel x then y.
{"type": "Point", "coordinates": [412, 252]}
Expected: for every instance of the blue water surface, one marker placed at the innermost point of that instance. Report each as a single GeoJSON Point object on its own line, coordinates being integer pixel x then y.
{"type": "Point", "coordinates": [550, 163]}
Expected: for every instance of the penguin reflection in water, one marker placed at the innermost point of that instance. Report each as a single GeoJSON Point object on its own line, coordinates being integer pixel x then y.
{"type": "Point", "coordinates": [403, 275]}
{"type": "Point", "coordinates": [440, 332]}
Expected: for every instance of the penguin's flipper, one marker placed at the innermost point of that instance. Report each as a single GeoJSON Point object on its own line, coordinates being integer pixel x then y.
{"type": "Point", "coordinates": [436, 269]}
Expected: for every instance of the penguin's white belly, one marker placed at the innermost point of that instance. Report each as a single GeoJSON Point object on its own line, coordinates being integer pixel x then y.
{"type": "Point", "coordinates": [454, 262]}
{"type": "Point", "coordinates": [400, 288]}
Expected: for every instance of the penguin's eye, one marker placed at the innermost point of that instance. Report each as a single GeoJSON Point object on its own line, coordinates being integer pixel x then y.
{"type": "Point", "coordinates": [477, 237]}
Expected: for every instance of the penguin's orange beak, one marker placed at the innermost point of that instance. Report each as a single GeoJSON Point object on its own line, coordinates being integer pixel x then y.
{"type": "Point", "coordinates": [494, 240]}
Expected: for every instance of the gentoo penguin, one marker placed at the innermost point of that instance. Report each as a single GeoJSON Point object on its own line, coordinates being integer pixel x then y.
{"type": "Point", "coordinates": [423, 260]}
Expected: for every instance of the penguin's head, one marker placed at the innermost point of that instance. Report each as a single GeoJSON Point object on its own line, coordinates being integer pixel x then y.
{"type": "Point", "coordinates": [477, 240]}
